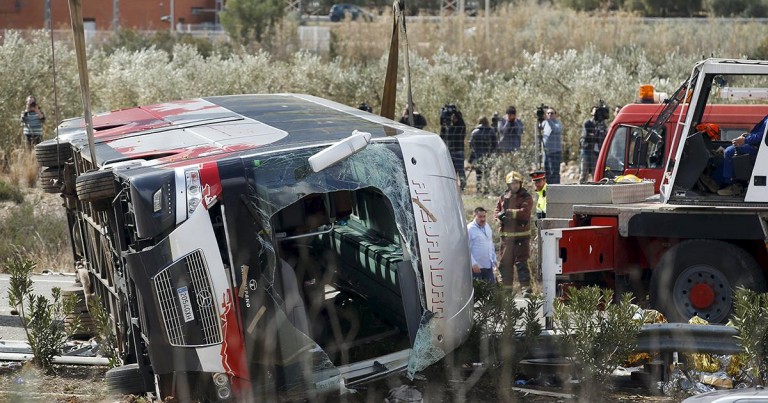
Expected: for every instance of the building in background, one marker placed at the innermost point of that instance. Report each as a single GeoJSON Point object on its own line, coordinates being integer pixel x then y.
{"type": "Point", "coordinates": [152, 15]}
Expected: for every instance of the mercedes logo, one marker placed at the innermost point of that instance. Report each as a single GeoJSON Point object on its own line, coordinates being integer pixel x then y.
{"type": "Point", "coordinates": [252, 284]}
{"type": "Point", "coordinates": [204, 298]}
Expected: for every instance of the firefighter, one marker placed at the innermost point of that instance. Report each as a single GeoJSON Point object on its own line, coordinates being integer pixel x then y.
{"type": "Point", "coordinates": [513, 211]}
{"type": "Point", "coordinates": [540, 182]}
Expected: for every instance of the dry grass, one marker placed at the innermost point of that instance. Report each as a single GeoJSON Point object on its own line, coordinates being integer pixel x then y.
{"type": "Point", "coordinates": [500, 41]}
{"type": "Point", "coordinates": [22, 168]}
{"type": "Point", "coordinates": [32, 223]}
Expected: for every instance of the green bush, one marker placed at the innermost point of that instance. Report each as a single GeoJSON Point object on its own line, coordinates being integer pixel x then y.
{"type": "Point", "coordinates": [104, 327]}
{"type": "Point", "coordinates": [41, 318]}
{"type": "Point", "coordinates": [12, 193]}
{"type": "Point", "coordinates": [750, 316]}
{"type": "Point", "coordinates": [599, 333]}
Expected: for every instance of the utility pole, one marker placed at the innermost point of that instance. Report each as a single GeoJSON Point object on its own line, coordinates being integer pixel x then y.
{"type": "Point", "coordinates": [487, 25]}
{"type": "Point", "coordinates": [172, 18]}
{"type": "Point", "coordinates": [448, 6]}
{"type": "Point", "coordinates": [47, 16]}
{"type": "Point", "coordinates": [293, 6]}
{"type": "Point", "coordinates": [115, 15]}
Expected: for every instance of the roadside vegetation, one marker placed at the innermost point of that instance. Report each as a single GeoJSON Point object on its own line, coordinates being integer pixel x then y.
{"type": "Point", "coordinates": [526, 55]}
{"type": "Point", "coordinates": [41, 318]}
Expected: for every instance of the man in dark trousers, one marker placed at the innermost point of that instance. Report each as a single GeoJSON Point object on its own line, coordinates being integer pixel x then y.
{"type": "Point", "coordinates": [482, 144]}
{"type": "Point", "coordinates": [513, 211]}
{"type": "Point", "coordinates": [453, 131]}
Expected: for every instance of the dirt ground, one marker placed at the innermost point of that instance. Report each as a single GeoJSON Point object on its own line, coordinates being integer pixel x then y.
{"type": "Point", "coordinates": [81, 384]}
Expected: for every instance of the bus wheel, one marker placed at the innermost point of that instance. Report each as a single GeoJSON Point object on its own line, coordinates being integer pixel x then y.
{"type": "Point", "coordinates": [127, 379]}
{"type": "Point", "coordinates": [96, 187]}
{"type": "Point", "coordinates": [51, 153]}
{"type": "Point", "coordinates": [50, 180]}
{"type": "Point", "coordinates": [699, 277]}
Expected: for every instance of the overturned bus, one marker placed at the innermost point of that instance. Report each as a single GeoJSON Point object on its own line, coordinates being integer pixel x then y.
{"type": "Point", "coordinates": [254, 246]}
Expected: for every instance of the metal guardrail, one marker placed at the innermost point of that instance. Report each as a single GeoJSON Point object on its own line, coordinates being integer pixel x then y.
{"type": "Point", "coordinates": [670, 337]}
{"type": "Point", "coordinates": [661, 338]}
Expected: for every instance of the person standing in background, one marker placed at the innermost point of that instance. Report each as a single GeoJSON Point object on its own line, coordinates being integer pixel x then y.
{"type": "Point", "coordinates": [32, 118]}
{"type": "Point", "coordinates": [481, 250]}
{"type": "Point", "coordinates": [482, 143]}
{"type": "Point", "coordinates": [552, 136]}
{"type": "Point", "coordinates": [540, 183]}
{"type": "Point", "coordinates": [513, 210]}
{"type": "Point", "coordinates": [453, 131]}
{"type": "Point", "coordinates": [510, 131]}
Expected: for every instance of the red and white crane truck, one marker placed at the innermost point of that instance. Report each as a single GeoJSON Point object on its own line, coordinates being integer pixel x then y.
{"type": "Point", "coordinates": [687, 248]}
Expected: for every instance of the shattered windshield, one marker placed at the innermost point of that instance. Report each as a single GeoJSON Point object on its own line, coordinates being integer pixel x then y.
{"type": "Point", "coordinates": [281, 179]}
{"type": "Point", "coordinates": [283, 194]}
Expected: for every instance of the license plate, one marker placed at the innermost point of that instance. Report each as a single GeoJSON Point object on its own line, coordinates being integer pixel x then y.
{"type": "Point", "coordinates": [186, 305]}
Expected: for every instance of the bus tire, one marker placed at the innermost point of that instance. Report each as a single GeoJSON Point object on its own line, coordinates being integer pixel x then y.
{"type": "Point", "coordinates": [96, 187]}
{"type": "Point", "coordinates": [51, 180]}
{"type": "Point", "coordinates": [126, 379]}
{"type": "Point", "coordinates": [52, 153]}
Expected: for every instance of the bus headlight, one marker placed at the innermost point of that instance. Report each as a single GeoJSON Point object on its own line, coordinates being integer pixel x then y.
{"type": "Point", "coordinates": [223, 390]}
{"type": "Point", "coordinates": [194, 193]}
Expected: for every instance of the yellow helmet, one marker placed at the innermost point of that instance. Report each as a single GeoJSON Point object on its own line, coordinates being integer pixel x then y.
{"type": "Point", "coordinates": [514, 176]}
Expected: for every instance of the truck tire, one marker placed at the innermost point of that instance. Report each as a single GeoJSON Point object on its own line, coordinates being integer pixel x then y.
{"type": "Point", "coordinates": [96, 187]}
{"type": "Point", "coordinates": [126, 379]}
{"type": "Point", "coordinates": [51, 153]}
{"type": "Point", "coordinates": [698, 277]}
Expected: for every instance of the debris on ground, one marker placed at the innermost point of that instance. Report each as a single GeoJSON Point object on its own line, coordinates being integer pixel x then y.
{"type": "Point", "coordinates": [8, 367]}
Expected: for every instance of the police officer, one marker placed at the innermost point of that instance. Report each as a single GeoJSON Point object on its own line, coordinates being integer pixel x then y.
{"type": "Point", "coordinates": [513, 211]}
{"type": "Point", "coordinates": [540, 182]}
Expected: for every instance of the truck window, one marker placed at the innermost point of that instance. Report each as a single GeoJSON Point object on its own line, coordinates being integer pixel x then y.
{"type": "Point", "coordinates": [617, 150]}
{"type": "Point", "coordinates": [644, 154]}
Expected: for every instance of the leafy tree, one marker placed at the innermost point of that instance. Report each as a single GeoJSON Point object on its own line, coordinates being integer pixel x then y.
{"type": "Point", "coordinates": [246, 20]}
{"type": "Point", "coordinates": [590, 5]}
{"type": "Point", "coordinates": [737, 8]}
{"type": "Point", "coordinates": [664, 8]}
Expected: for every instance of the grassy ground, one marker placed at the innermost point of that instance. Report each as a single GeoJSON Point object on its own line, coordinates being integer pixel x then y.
{"type": "Point", "coordinates": [32, 223]}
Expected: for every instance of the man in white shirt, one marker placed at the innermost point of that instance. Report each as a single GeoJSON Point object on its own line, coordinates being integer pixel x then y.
{"type": "Point", "coordinates": [481, 249]}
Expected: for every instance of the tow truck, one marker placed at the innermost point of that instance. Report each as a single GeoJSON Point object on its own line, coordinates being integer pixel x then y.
{"type": "Point", "coordinates": [623, 152]}
{"type": "Point", "coordinates": [686, 247]}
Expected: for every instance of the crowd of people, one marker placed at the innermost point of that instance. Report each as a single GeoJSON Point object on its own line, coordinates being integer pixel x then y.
{"type": "Point", "coordinates": [505, 134]}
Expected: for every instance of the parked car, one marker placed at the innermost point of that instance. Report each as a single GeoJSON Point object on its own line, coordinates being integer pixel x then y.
{"type": "Point", "coordinates": [747, 395]}
{"type": "Point", "coordinates": [340, 11]}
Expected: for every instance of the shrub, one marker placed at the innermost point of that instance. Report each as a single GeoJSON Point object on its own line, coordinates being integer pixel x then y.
{"type": "Point", "coordinates": [104, 327]}
{"type": "Point", "coordinates": [10, 192]}
{"type": "Point", "coordinates": [599, 333]}
{"type": "Point", "coordinates": [749, 316]}
{"type": "Point", "coordinates": [32, 235]}
{"type": "Point", "coordinates": [42, 319]}
{"type": "Point", "coordinates": [503, 332]}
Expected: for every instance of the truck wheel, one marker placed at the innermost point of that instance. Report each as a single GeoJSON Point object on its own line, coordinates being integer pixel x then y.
{"type": "Point", "coordinates": [50, 153]}
{"type": "Point", "coordinates": [698, 277]}
{"type": "Point", "coordinates": [96, 187]}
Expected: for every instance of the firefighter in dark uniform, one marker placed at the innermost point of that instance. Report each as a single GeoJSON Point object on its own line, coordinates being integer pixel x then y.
{"type": "Point", "coordinates": [513, 211]}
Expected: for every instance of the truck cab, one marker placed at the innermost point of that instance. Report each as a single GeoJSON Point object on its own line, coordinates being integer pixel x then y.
{"type": "Point", "coordinates": [624, 151]}
{"type": "Point", "coordinates": [691, 246]}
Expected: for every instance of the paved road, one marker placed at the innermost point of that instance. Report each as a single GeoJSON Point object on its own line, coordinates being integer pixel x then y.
{"type": "Point", "coordinates": [10, 326]}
